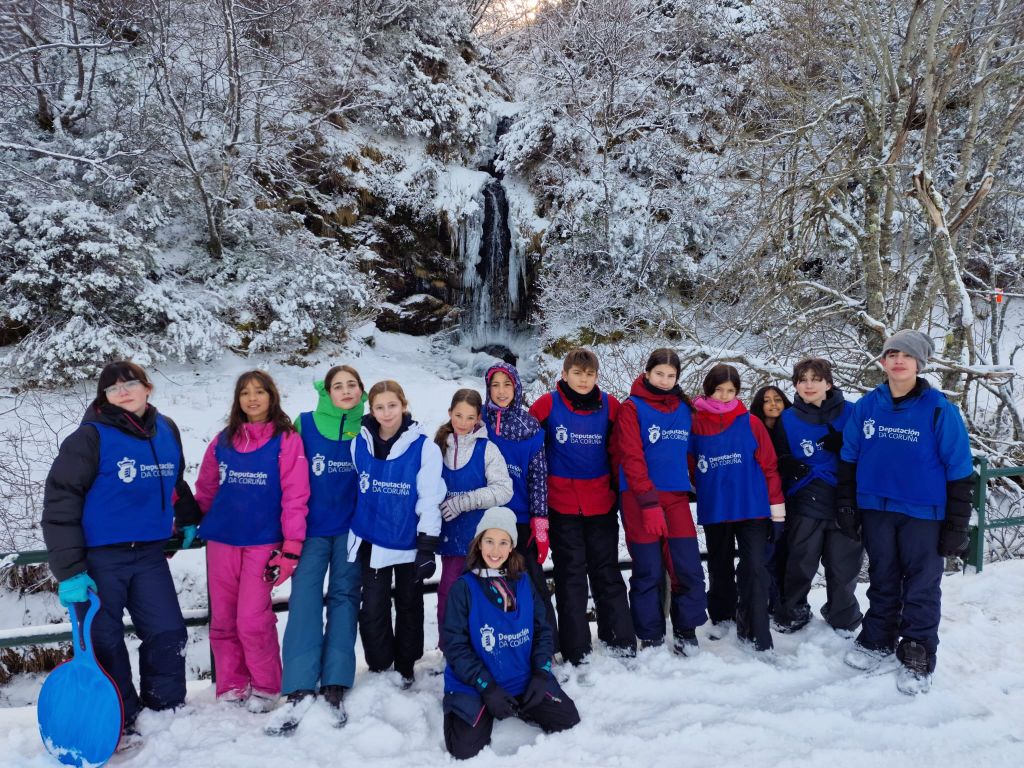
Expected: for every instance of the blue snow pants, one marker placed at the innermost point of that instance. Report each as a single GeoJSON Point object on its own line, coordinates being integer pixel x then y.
{"type": "Point", "coordinates": [680, 557]}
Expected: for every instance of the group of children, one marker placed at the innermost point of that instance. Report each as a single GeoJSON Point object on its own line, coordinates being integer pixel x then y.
{"type": "Point", "coordinates": [369, 501]}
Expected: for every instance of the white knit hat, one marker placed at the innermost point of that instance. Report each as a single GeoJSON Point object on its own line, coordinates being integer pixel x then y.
{"type": "Point", "coordinates": [502, 518]}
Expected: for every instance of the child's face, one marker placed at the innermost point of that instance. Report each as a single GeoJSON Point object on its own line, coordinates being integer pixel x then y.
{"type": "Point", "coordinates": [580, 380]}
{"type": "Point", "coordinates": [502, 390]}
{"type": "Point", "coordinates": [345, 390]}
{"type": "Point", "coordinates": [130, 395]}
{"type": "Point", "coordinates": [254, 401]}
{"type": "Point", "coordinates": [724, 392]}
{"type": "Point", "coordinates": [495, 546]}
{"type": "Point", "coordinates": [663, 376]}
{"type": "Point", "coordinates": [900, 367]}
{"type": "Point", "coordinates": [464, 418]}
{"type": "Point", "coordinates": [812, 389]}
{"type": "Point", "coordinates": [387, 409]}
{"type": "Point", "coordinates": [773, 404]}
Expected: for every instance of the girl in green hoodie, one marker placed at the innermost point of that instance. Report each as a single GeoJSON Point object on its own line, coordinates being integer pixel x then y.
{"type": "Point", "coordinates": [312, 656]}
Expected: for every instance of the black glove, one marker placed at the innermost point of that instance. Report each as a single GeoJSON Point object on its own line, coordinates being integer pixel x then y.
{"type": "Point", "coordinates": [535, 691]}
{"type": "Point", "coordinates": [791, 468]}
{"type": "Point", "coordinates": [833, 441]}
{"type": "Point", "coordinates": [956, 531]}
{"type": "Point", "coordinates": [499, 702]}
{"type": "Point", "coordinates": [775, 531]}
{"type": "Point", "coordinates": [953, 540]}
{"type": "Point", "coordinates": [849, 521]}
{"type": "Point", "coordinates": [425, 564]}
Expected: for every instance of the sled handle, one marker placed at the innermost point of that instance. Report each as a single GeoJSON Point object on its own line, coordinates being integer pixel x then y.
{"type": "Point", "coordinates": [82, 615]}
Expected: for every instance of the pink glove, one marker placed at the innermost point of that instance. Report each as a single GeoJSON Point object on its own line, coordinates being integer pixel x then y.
{"type": "Point", "coordinates": [286, 561]}
{"type": "Point", "coordinates": [654, 522]}
{"type": "Point", "coordinates": [539, 527]}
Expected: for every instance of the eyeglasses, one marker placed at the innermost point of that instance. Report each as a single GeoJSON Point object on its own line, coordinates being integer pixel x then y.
{"type": "Point", "coordinates": [124, 386]}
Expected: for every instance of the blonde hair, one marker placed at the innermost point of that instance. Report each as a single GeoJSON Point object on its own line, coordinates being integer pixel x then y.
{"type": "Point", "coordinates": [388, 385]}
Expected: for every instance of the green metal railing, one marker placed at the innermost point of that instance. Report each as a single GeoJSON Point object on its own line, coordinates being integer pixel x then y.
{"type": "Point", "coordinates": [976, 551]}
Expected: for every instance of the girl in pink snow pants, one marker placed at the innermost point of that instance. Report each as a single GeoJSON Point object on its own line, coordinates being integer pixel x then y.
{"type": "Point", "coordinates": [253, 489]}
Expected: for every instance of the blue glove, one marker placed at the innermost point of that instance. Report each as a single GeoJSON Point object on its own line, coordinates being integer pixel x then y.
{"type": "Point", "coordinates": [76, 589]}
{"type": "Point", "coordinates": [188, 535]}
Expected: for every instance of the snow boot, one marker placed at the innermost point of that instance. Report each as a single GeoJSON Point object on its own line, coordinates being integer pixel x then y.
{"type": "Point", "coordinates": [915, 673]}
{"type": "Point", "coordinates": [788, 624]}
{"type": "Point", "coordinates": [334, 695]}
{"type": "Point", "coordinates": [130, 739]}
{"type": "Point", "coordinates": [875, 661]}
{"type": "Point", "coordinates": [720, 629]}
{"type": "Point", "coordinates": [260, 703]}
{"type": "Point", "coordinates": [287, 718]}
{"type": "Point", "coordinates": [684, 642]}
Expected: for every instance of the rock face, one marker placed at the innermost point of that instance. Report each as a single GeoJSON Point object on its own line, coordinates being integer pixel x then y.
{"type": "Point", "coordinates": [417, 315]}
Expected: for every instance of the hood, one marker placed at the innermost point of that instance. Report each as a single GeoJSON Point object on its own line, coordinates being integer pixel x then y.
{"type": "Point", "coordinates": [333, 422]}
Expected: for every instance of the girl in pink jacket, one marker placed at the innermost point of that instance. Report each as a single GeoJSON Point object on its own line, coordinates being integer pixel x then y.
{"type": "Point", "coordinates": [253, 489]}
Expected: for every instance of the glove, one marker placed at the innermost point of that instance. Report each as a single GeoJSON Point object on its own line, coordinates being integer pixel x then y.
{"type": "Point", "coordinates": [833, 441]}
{"type": "Point", "coordinates": [654, 522]}
{"type": "Point", "coordinates": [188, 535]}
{"type": "Point", "coordinates": [76, 589]}
{"type": "Point", "coordinates": [425, 548]}
{"type": "Point", "coordinates": [539, 528]}
{"type": "Point", "coordinates": [848, 520]}
{"type": "Point", "coordinates": [449, 510]}
{"type": "Point", "coordinates": [776, 531]}
{"type": "Point", "coordinates": [791, 468]}
{"type": "Point", "coordinates": [778, 512]}
{"type": "Point", "coordinates": [499, 702]}
{"type": "Point", "coordinates": [535, 691]}
{"type": "Point", "coordinates": [953, 540]}
{"type": "Point", "coordinates": [285, 562]}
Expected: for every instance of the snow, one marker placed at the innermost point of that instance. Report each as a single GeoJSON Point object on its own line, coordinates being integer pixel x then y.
{"type": "Point", "coordinates": [804, 708]}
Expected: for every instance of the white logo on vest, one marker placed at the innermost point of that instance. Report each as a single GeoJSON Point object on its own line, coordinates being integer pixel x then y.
{"type": "Point", "coordinates": [808, 446]}
{"type": "Point", "coordinates": [126, 470]}
{"type": "Point", "coordinates": [654, 434]}
{"type": "Point", "coordinates": [222, 468]}
{"type": "Point", "coordinates": [561, 434]}
{"type": "Point", "coordinates": [487, 637]}
{"type": "Point", "coordinates": [318, 464]}
{"type": "Point", "coordinates": [364, 482]}
{"type": "Point", "coordinates": [869, 429]}
{"type": "Point", "coordinates": [702, 464]}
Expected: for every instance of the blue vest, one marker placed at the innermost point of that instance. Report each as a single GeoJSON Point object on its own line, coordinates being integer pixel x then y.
{"type": "Point", "coordinates": [130, 499]}
{"type": "Point", "coordinates": [729, 482]}
{"type": "Point", "coordinates": [247, 508]}
{"type": "Point", "coordinates": [666, 438]}
{"type": "Point", "coordinates": [456, 534]}
{"type": "Point", "coordinates": [517, 455]}
{"type": "Point", "coordinates": [333, 485]}
{"type": "Point", "coordinates": [577, 442]}
{"type": "Point", "coordinates": [805, 445]}
{"type": "Point", "coordinates": [899, 454]}
{"type": "Point", "coordinates": [386, 506]}
{"type": "Point", "coordinates": [502, 639]}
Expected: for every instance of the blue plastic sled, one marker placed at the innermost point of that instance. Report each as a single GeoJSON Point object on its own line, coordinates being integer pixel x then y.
{"type": "Point", "coordinates": [79, 709]}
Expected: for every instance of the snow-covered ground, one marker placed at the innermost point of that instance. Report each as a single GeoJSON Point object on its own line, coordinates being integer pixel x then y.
{"type": "Point", "coordinates": [723, 708]}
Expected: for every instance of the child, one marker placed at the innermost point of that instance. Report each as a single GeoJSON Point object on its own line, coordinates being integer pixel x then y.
{"type": "Point", "coordinates": [738, 497]}
{"type": "Point", "coordinates": [476, 478]}
{"type": "Point", "coordinates": [649, 445]}
{"type": "Point", "coordinates": [394, 532]}
{"type": "Point", "coordinates": [311, 654]}
{"type": "Point", "coordinates": [108, 509]}
{"type": "Point", "coordinates": [905, 482]}
{"type": "Point", "coordinates": [253, 488]}
{"type": "Point", "coordinates": [768, 404]}
{"type": "Point", "coordinates": [578, 420]}
{"type": "Point", "coordinates": [807, 440]}
{"type": "Point", "coordinates": [497, 645]}
{"type": "Point", "coordinates": [520, 438]}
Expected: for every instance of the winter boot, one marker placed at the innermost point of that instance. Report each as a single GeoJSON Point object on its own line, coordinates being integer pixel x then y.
{"type": "Point", "coordinates": [334, 695]}
{"type": "Point", "coordinates": [915, 673]}
{"type": "Point", "coordinates": [684, 642]}
{"type": "Point", "coordinates": [720, 629]}
{"type": "Point", "coordinates": [287, 718]}
{"type": "Point", "coordinates": [787, 624]}
{"type": "Point", "coordinates": [130, 739]}
{"type": "Point", "coordinates": [260, 703]}
{"type": "Point", "coordinates": [873, 660]}
{"type": "Point", "coordinates": [645, 644]}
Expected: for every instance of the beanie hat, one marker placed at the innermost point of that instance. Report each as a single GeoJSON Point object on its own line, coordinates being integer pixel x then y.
{"type": "Point", "coordinates": [914, 343]}
{"type": "Point", "coordinates": [502, 518]}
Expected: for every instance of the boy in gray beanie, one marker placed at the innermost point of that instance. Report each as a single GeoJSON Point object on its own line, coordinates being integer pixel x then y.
{"type": "Point", "coordinates": [904, 484]}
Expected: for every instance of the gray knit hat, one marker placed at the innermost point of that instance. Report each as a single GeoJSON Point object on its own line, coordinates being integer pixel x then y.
{"type": "Point", "coordinates": [502, 518]}
{"type": "Point", "coordinates": [914, 343]}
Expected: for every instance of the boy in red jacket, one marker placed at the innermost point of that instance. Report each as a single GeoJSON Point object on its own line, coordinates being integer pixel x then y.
{"type": "Point", "coordinates": [577, 418]}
